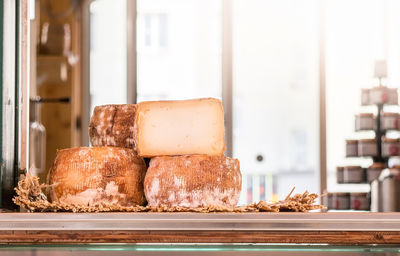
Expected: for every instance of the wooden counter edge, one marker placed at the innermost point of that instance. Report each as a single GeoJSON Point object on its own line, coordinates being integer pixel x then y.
{"type": "Point", "coordinates": [133, 237]}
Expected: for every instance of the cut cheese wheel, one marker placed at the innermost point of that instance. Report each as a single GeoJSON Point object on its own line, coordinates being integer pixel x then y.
{"type": "Point", "coordinates": [97, 175]}
{"type": "Point", "coordinates": [187, 127]}
{"type": "Point", "coordinates": [112, 125]}
{"type": "Point", "coordinates": [193, 181]}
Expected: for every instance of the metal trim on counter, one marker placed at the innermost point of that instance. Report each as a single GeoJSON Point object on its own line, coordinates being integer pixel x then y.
{"type": "Point", "coordinates": [340, 221]}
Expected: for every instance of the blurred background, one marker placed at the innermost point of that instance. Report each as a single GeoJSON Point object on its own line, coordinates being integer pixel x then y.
{"type": "Point", "coordinates": [289, 72]}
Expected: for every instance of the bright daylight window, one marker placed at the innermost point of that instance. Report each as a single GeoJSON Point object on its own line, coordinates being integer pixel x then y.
{"type": "Point", "coordinates": [275, 74]}
{"type": "Point", "coordinates": [275, 97]}
{"type": "Point", "coordinates": [179, 49]}
{"type": "Point", "coordinates": [107, 52]}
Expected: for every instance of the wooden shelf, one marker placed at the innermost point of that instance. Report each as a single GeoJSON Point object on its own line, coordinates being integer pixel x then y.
{"type": "Point", "coordinates": [314, 228]}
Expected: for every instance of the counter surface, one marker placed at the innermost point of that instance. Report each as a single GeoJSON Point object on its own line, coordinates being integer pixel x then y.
{"type": "Point", "coordinates": [337, 221]}
{"type": "Point", "coordinates": [333, 228]}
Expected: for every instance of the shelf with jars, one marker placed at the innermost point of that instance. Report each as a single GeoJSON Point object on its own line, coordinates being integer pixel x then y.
{"type": "Point", "coordinates": [384, 145]}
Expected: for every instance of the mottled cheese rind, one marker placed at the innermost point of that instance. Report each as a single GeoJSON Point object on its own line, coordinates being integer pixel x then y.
{"type": "Point", "coordinates": [193, 181]}
{"type": "Point", "coordinates": [97, 175]}
{"type": "Point", "coordinates": [185, 127]}
{"type": "Point", "coordinates": [112, 125]}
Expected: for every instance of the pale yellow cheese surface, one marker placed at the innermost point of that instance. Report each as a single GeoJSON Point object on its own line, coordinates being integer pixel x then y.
{"type": "Point", "coordinates": [180, 127]}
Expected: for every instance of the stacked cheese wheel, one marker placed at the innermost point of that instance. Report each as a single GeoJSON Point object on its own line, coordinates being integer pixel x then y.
{"type": "Point", "coordinates": [184, 141]}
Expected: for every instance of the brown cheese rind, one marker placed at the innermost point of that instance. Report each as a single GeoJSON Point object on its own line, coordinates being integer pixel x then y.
{"type": "Point", "coordinates": [97, 175]}
{"type": "Point", "coordinates": [112, 125]}
{"type": "Point", "coordinates": [193, 181]}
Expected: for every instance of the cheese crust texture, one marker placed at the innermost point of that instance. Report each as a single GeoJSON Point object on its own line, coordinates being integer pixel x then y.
{"type": "Point", "coordinates": [97, 175]}
{"type": "Point", "coordinates": [193, 181]}
{"type": "Point", "coordinates": [112, 125]}
{"type": "Point", "coordinates": [187, 127]}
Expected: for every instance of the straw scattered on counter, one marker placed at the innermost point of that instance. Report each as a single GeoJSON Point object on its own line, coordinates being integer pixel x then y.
{"type": "Point", "coordinates": [31, 196]}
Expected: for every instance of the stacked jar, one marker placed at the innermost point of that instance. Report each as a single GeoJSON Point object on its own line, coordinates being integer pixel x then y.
{"type": "Point", "coordinates": [379, 149]}
{"type": "Point", "coordinates": [365, 121]}
{"type": "Point", "coordinates": [383, 95]}
{"type": "Point", "coordinates": [340, 174]}
{"type": "Point", "coordinates": [365, 97]}
{"type": "Point", "coordinates": [353, 174]}
{"type": "Point", "coordinates": [349, 201]}
{"type": "Point", "coordinates": [339, 201]}
{"type": "Point", "coordinates": [389, 121]}
{"type": "Point", "coordinates": [360, 201]}
{"type": "Point", "coordinates": [351, 148]}
{"type": "Point", "coordinates": [367, 147]}
{"type": "Point", "coordinates": [390, 147]}
{"type": "Point", "coordinates": [374, 171]}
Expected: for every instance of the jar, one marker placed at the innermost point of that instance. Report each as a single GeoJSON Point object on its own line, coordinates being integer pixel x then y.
{"type": "Point", "coordinates": [388, 190]}
{"type": "Point", "coordinates": [359, 201]}
{"type": "Point", "coordinates": [383, 95]}
{"type": "Point", "coordinates": [338, 201]}
{"type": "Point", "coordinates": [339, 174]}
{"type": "Point", "coordinates": [393, 96]}
{"type": "Point", "coordinates": [374, 171]}
{"type": "Point", "coordinates": [365, 121]}
{"type": "Point", "coordinates": [367, 147]}
{"type": "Point", "coordinates": [389, 121]}
{"type": "Point", "coordinates": [353, 174]}
{"type": "Point", "coordinates": [351, 148]}
{"type": "Point", "coordinates": [390, 147]}
{"type": "Point", "coordinates": [365, 97]}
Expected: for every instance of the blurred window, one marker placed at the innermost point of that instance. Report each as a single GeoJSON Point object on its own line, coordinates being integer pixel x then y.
{"type": "Point", "coordinates": [179, 49]}
{"type": "Point", "coordinates": [275, 96]}
{"type": "Point", "coordinates": [107, 52]}
{"type": "Point", "coordinates": [155, 30]}
{"type": "Point", "coordinates": [275, 74]}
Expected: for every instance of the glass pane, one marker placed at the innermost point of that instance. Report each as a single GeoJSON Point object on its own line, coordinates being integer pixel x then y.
{"type": "Point", "coordinates": [195, 250]}
{"type": "Point", "coordinates": [352, 47]}
{"type": "Point", "coordinates": [178, 49]}
{"type": "Point", "coordinates": [107, 52]}
{"type": "Point", "coordinates": [275, 97]}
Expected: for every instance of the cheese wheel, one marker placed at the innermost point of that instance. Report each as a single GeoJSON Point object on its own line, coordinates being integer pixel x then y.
{"type": "Point", "coordinates": [97, 175]}
{"type": "Point", "coordinates": [112, 125]}
{"type": "Point", "coordinates": [193, 181]}
{"type": "Point", "coordinates": [181, 127]}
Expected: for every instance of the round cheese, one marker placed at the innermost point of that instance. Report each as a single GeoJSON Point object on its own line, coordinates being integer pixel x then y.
{"type": "Point", "coordinates": [97, 175]}
{"type": "Point", "coordinates": [112, 125]}
{"type": "Point", "coordinates": [193, 181]}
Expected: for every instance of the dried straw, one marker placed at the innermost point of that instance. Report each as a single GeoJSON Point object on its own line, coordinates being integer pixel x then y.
{"type": "Point", "coordinates": [31, 196]}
